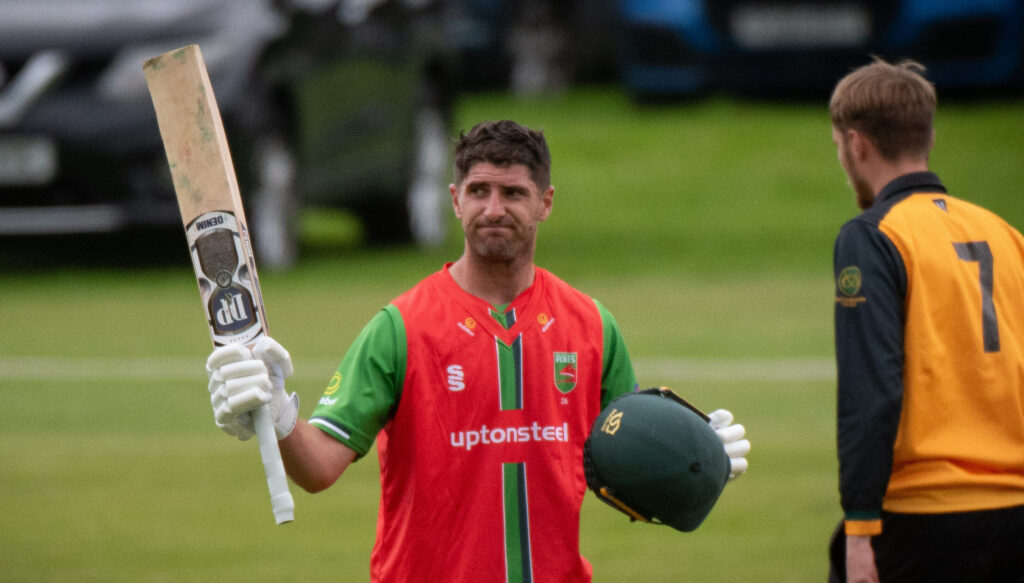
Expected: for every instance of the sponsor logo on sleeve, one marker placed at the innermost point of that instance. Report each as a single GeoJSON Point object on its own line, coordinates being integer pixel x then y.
{"type": "Point", "coordinates": [332, 387]}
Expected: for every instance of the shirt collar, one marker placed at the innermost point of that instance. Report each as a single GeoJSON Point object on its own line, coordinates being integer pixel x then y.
{"type": "Point", "coordinates": [913, 182]}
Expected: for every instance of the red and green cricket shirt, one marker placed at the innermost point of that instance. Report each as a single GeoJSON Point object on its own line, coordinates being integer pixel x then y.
{"type": "Point", "coordinates": [480, 416]}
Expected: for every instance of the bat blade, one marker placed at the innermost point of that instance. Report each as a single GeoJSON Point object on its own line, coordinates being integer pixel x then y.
{"type": "Point", "coordinates": [215, 226]}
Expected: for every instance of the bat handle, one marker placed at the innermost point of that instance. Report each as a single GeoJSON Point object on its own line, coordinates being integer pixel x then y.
{"type": "Point", "coordinates": [280, 498]}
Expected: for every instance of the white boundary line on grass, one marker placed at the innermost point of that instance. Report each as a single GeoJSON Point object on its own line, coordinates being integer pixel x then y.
{"type": "Point", "coordinates": [713, 369]}
{"type": "Point", "coordinates": [191, 369]}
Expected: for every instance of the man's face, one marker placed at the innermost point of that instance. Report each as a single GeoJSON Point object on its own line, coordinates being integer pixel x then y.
{"type": "Point", "coordinates": [865, 196]}
{"type": "Point", "coordinates": [499, 208]}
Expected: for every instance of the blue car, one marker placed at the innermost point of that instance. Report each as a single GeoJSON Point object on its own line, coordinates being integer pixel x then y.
{"type": "Point", "coordinates": [673, 48]}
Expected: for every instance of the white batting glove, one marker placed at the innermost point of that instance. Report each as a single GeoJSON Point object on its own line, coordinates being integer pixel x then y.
{"type": "Point", "coordinates": [242, 380]}
{"type": "Point", "coordinates": [732, 439]}
{"type": "Point", "coordinates": [284, 408]}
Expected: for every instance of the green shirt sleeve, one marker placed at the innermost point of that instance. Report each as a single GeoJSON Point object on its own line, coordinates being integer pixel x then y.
{"type": "Point", "coordinates": [363, 393]}
{"type": "Point", "coordinates": [618, 376]}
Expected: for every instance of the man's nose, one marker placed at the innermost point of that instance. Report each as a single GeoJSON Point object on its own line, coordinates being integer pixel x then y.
{"type": "Point", "coordinates": [495, 207]}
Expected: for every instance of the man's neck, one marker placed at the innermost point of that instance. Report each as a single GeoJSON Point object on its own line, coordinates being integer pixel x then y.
{"type": "Point", "coordinates": [887, 172]}
{"type": "Point", "coordinates": [497, 283]}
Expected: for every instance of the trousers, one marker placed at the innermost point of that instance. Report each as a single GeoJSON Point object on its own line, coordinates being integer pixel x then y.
{"type": "Point", "coordinates": [985, 546]}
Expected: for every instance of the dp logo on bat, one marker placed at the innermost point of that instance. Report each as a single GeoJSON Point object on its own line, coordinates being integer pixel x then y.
{"type": "Point", "coordinates": [231, 309]}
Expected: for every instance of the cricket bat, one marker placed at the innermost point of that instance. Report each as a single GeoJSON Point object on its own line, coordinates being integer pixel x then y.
{"type": "Point", "coordinates": [215, 227]}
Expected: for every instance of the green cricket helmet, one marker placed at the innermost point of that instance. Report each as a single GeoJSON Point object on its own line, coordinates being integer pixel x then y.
{"type": "Point", "coordinates": [653, 456]}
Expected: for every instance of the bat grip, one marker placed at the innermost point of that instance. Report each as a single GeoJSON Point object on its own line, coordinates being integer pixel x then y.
{"type": "Point", "coordinates": [280, 498]}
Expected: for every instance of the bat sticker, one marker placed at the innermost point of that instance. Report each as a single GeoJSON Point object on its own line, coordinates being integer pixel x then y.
{"type": "Point", "coordinates": [224, 281]}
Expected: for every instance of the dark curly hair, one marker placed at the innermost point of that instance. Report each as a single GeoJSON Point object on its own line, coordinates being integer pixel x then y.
{"type": "Point", "coordinates": [504, 143]}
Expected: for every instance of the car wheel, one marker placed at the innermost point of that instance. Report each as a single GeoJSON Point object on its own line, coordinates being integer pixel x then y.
{"type": "Point", "coordinates": [275, 204]}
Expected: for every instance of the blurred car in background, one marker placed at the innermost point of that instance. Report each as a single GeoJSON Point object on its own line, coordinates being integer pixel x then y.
{"type": "Point", "coordinates": [675, 48]}
{"type": "Point", "coordinates": [336, 103]}
{"type": "Point", "coordinates": [534, 46]}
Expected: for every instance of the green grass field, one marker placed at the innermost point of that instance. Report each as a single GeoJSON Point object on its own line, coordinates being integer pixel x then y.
{"type": "Point", "coordinates": [706, 227]}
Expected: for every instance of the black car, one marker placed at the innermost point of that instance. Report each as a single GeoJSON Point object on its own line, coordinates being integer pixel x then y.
{"type": "Point", "coordinates": [343, 104]}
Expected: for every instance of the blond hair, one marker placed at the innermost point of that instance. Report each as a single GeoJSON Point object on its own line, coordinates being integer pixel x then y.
{"type": "Point", "coordinates": [892, 104]}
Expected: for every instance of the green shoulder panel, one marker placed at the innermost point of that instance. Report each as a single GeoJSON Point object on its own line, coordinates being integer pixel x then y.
{"type": "Point", "coordinates": [364, 392]}
{"type": "Point", "coordinates": [617, 376]}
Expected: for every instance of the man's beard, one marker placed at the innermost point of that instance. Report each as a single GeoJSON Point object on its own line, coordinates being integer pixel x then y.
{"type": "Point", "coordinates": [865, 196]}
{"type": "Point", "coordinates": [499, 249]}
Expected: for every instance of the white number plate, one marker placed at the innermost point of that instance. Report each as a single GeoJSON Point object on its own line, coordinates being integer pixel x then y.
{"type": "Point", "coordinates": [27, 160]}
{"type": "Point", "coordinates": [800, 26]}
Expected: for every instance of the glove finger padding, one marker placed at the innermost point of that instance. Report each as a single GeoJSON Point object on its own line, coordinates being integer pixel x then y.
{"type": "Point", "coordinates": [236, 424]}
{"type": "Point", "coordinates": [232, 422]}
{"type": "Point", "coordinates": [737, 467]}
{"type": "Point", "coordinates": [240, 426]}
{"type": "Point", "coordinates": [240, 371]}
{"type": "Point", "coordinates": [731, 434]}
{"type": "Point", "coordinates": [244, 401]}
{"type": "Point", "coordinates": [732, 440]}
{"type": "Point", "coordinates": [719, 418]}
{"type": "Point", "coordinates": [237, 385]}
{"type": "Point", "coordinates": [284, 408]}
{"type": "Point", "coordinates": [225, 355]}
{"type": "Point", "coordinates": [737, 448]}
{"type": "Point", "coordinates": [277, 359]}
{"type": "Point", "coordinates": [246, 385]}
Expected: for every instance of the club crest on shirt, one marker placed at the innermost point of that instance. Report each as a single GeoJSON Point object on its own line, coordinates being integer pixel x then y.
{"type": "Point", "coordinates": [565, 371]}
{"type": "Point", "coordinates": [849, 285]}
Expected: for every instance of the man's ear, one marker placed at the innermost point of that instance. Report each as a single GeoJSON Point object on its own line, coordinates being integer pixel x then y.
{"type": "Point", "coordinates": [454, 190]}
{"type": "Point", "coordinates": [856, 144]}
{"type": "Point", "coordinates": [546, 202]}
{"type": "Point", "coordinates": [861, 147]}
